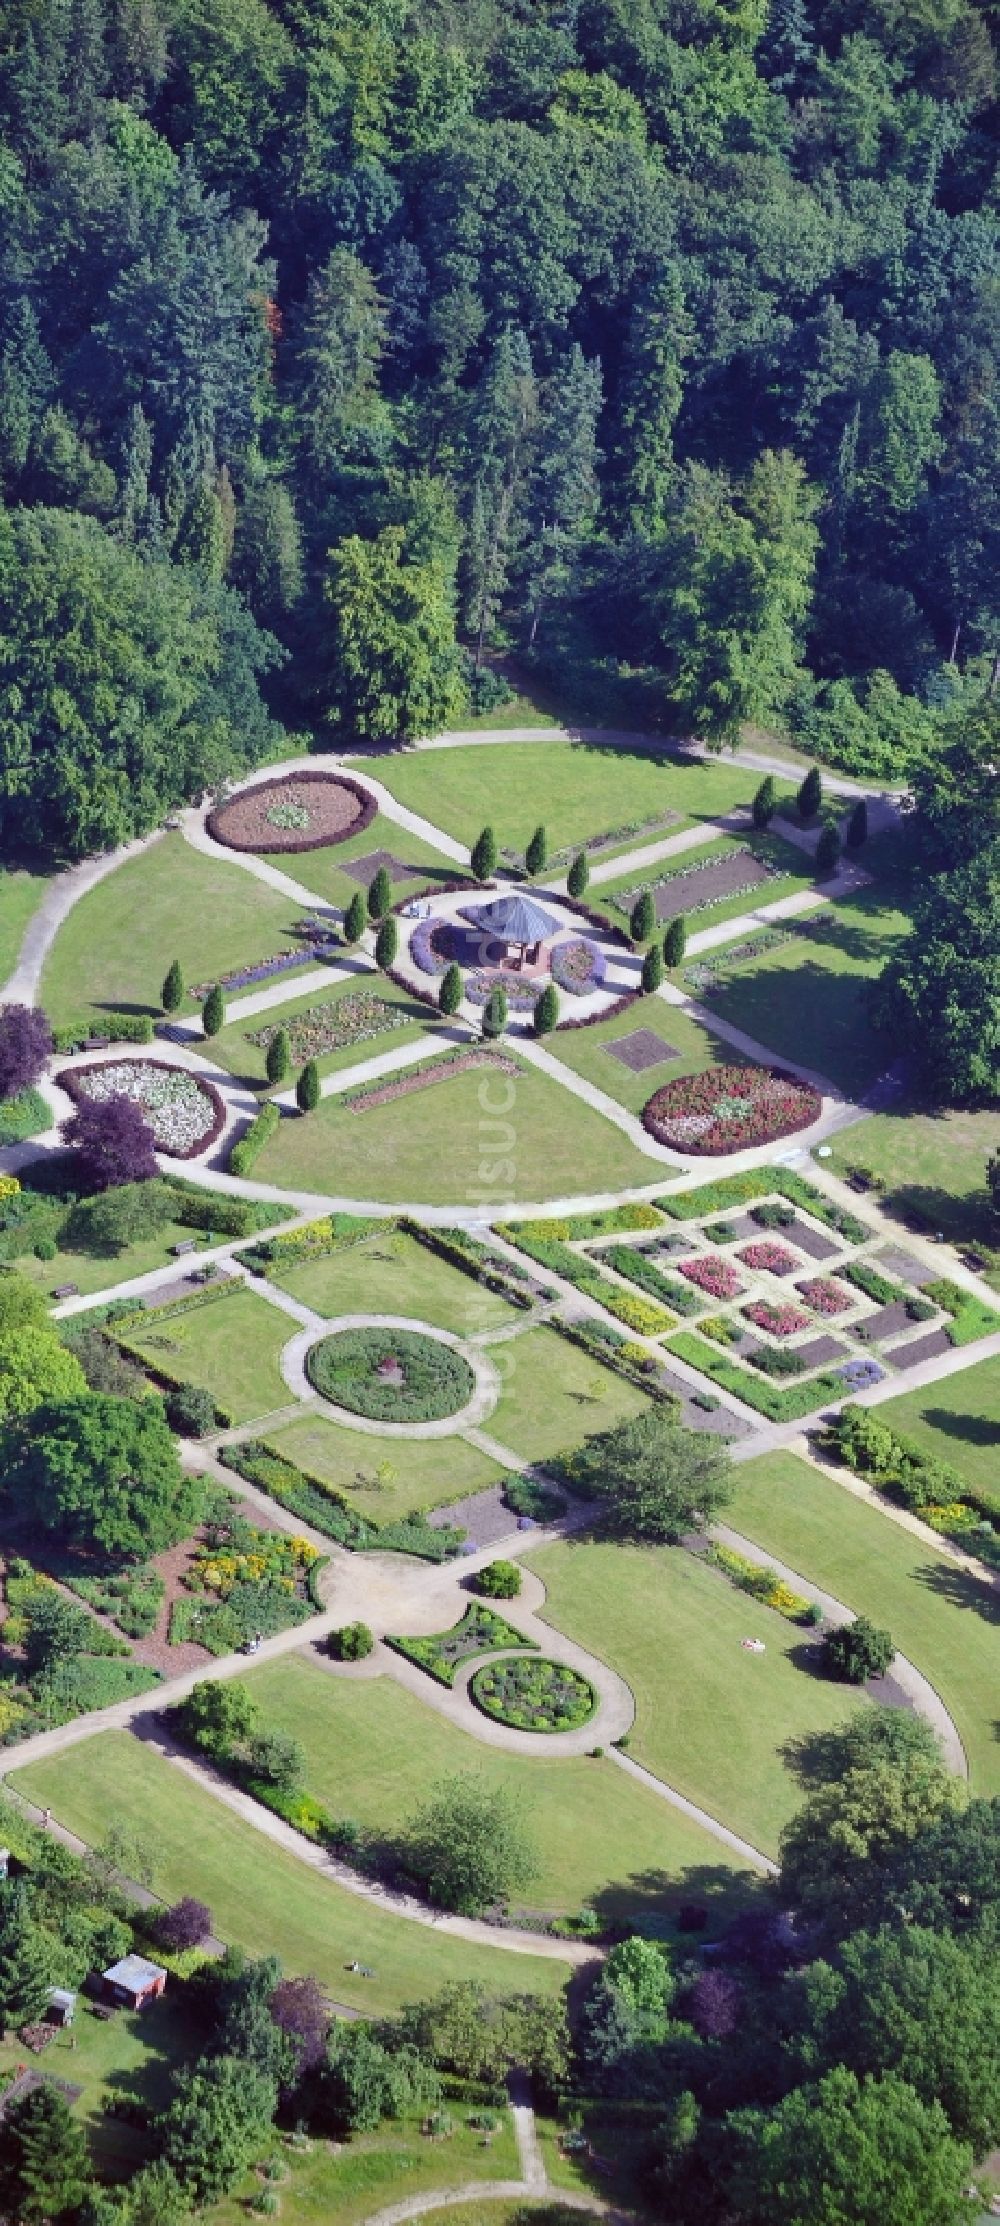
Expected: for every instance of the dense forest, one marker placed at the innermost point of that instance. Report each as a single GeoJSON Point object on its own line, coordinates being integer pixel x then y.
{"type": "Point", "coordinates": [345, 341]}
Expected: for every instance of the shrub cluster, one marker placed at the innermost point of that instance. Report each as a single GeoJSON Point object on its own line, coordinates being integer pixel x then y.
{"type": "Point", "coordinates": [538, 1696]}
{"type": "Point", "coordinates": [390, 1375]}
{"type": "Point", "coordinates": [479, 1631]}
{"type": "Point", "coordinates": [263, 1126]}
{"type": "Point", "coordinates": [788, 1405]}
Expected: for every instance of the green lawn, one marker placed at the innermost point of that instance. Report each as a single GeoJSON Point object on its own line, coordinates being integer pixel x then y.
{"type": "Point", "coordinates": [554, 1396]}
{"type": "Point", "coordinates": [171, 902]}
{"type": "Point", "coordinates": [576, 789]}
{"type": "Point", "coordinates": [464, 1139]}
{"type": "Point", "coordinates": [234, 1051]}
{"type": "Point", "coordinates": [585, 1050]}
{"type": "Point", "coordinates": [348, 2181]}
{"type": "Point", "coordinates": [710, 1718]}
{"type": "Point", "coordinates": [932, 1164]}
{"type": "Point", "coordinates": [959, 1421]}
{"type": "Point", "coordinates": [93, 1271]}
{"type": "Point", "coordinates": [262, 1897]}
{"type": "Point", "coordinates": [394, 1274]}
{"type": "Point", "coordinates": [808, 999]}
{"type": "Point", "coordinates": [602, 1839]}
{"type": "Point", "coordinates": [21, 893]}
{"type": "Point", "coordinates": [324, 870]}
{"type": "Point", "coordinates": [790, 877]}
{"type": "Point", "coordinates": [231, 1347]}
{"type": "Point", "coordinates": [946, 1622]}
{"type": "Point", "coordinates": [428, 1471]}
{"type": "Point", "coordinates": [131, 2055]}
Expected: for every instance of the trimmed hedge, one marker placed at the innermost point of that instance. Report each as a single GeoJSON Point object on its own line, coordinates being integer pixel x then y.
{"type": "Point", "coordinates": [641, 1315]}
{"type": "Point", "coordinates": [437, 1380]}
{"type": "Point", "coordinates": [316, 1503]}
{"type": "Point", "coordinates": [118, 1027]}
{"type": "Point", "coordinates": [263, 1126]}
{"type": "Point", "coordinates": [471, 1258]}
{"type": "Point", "coordinates": [761, 1182]}
{"type": "Point", "coordinates": [970, 1318]}
{"type": "Point", "coordinates": [788, 1405]}
{"type": "Point", "coordinates": [637, 1268]}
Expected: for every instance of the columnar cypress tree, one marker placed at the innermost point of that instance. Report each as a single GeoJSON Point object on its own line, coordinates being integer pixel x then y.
{"type": "Point", "coordinates": [484, 855]}
{"type": "Point", "coordinates": [307, 1088]}
{"type": "Point", "coordinates": [213, 1012]}
{"type": "Point", "coordinates": [387, 942]}
{"type": "Point", "coordinates": [578, 876]}
{"type": "Point", "coordinates": [827, 849]}
{"type": "Point", "coordinates": [354, 919]}
{"type": "Point", "coordinates": [810, 797]}
{"type": "Point", "coordinates": [172, 992]}
{"type": "Point", "coordinates": [643, 919]}
{"type": "Point", "coordinates": [652, 969]}
{"type": "Point", "coordinates": [379, 894]}
{"type": "Point", "coordinates": [765, 803]}
{"type": "Point", "coordinates": [546, 1013]}
{"type": "Point", "coordinates": [857, 825]}
{"type": "Point", "coordinates": [451, 990]}
{"type": "Point", "coordinates": [675, 941]}
{"type": "Point", "coordinates": [279, 1058]}
{"type": "Point", "coordinates": [537, 851]}
{"type": "Point", "coordinates": [495, 1012]}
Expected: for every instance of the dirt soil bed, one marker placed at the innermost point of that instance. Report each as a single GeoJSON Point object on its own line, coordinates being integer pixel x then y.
{"type": "Point", "coordinates": [887, 1321]}
{"type": "Point", "coordinates": [905, 1264]}
{"type": "Point", "coordinates": [723, 877]}
{"type": "Point", "coordinates": [318, 808]}
{"type": "Point", "coordinates": [641, 1049]}
{"type": "Point", "coordinates": [922, 1348]}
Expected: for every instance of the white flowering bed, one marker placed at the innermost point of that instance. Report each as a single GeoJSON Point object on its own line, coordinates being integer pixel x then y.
{"type": "Point", "coordinates": [181, 1112]}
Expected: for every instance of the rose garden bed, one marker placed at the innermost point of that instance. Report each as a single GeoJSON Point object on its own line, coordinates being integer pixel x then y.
{"type": "Point", "coordinates": [533, 1695]}
{"type": "Point", "coordinates": [185, 1112]}
{"type": "Point", "coordinates": [717, 1277]}
{"type": "Point", "coordinates": [773, 1259]}
{"type": "Point", "coordinates": [298, 811]}
{"type": "Point", "coordinates": [725, 1109]}
{"type": "Point", "coordinates": [824, 1295]}
{"type": "Point", "coordinates": [779, 1321]}
{"type": "Point", "coordinates": [390, 1375]}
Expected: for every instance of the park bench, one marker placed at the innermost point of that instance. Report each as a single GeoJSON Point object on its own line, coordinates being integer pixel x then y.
{"type": "Point", "coordinates": [180, 1251]}
{"type": "Point", "coordinates": [66, 1291]}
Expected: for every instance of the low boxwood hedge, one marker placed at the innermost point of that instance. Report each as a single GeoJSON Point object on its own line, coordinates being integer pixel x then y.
{"type": "Point", "coordinates": [351, 1369]}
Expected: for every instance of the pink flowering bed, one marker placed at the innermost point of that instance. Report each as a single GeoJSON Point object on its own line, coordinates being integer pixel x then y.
{"type": "Point", "coordinates": [716, 1277]}
{"type": "Point", "coordinates": [727, 1108]}
{"type": "Point", "coordinates": [824, 1295]}
{"type": "Point", "coordinates": [780, 1321]}
{"type": "Point", "coordinates": [773, 1258]}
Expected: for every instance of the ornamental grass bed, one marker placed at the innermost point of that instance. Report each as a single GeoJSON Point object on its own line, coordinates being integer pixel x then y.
{"type": "Point", "coordinates": [185, 1112]}
{"type": "Point", "coordinates": [298, 811]}
{"type": "Point", "coordinates": [725, 1109]}
{"type": "Point", "coordinates": [390, 1375]}
{"type": "Point", "coordinates": [533, 1695]}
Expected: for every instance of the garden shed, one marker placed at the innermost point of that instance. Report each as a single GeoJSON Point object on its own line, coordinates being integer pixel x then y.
{"type": "Point", "coordinates": [61, 2006]}
{"type": "Point", "coordinates": [133, 1982]}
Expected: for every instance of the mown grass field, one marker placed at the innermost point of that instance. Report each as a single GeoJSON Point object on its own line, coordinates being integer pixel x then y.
{"type": "Point", "coordinates": [711, 1719]}
{"type": "Point", "coordinates": [586, 1051]}
{"type": "Point", "coordinates": [932, 1164]}
{"type": "Point", "coordinates": [348, 2181]}
{"type": "Point", "coordinates": [957, 1419]}
{"type": "Point", "coordinates": [946, 1622]}
{"type": "Point", "coordinates": [426, 1472]}
{"type": "Point", "coordinates": [554, 1396]}
{"type": "Point", "coordinates": [808, 999]}
{"type": "Point", "coordinates": [261, 1896]}
{"type": "Point", "coordinates": [602, 1839]}
{"type": "Point", "coordinates": [391, 1273]}
{"type": "Point", "coordinates": [230, 1346]}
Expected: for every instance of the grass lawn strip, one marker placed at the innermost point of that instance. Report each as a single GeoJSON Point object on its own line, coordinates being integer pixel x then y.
{"type": "Point", "coordinates": [941, 1618]}
{"type": "Point", "coordinates": [230, 1347]}
{"type": "Point", "coordinates": [391, 1273]}
{"type": "Point", "coordinates": [394, 1154]}
{"type": "Point", "coordinates": [554, 1395]}
{"type": "Point", "coordinates": [262, 1897]}
{"type": "Point", "coordinates": [114, 947]}
{"type": "Point", "coordinates": [958, 1420]}
{"type": "Point", "coordinates": [603, 1839]}
{"type": "Point", "coordinates": [21, 893]}
{"type": "Point", "coordinates": [350, 2181]}
{"type": "Point", "coordinates": [711, 1719]}
{"type": "Point", "coordinates": [378, 1476]}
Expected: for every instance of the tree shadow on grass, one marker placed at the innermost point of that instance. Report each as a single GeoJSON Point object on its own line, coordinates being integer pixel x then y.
{"type": "Point", "coordinates": [962, 1590]}
{"type": "Point", "coordinates": [973, 1429]}
{"type": "Point", "coordinates": [710, 1895]}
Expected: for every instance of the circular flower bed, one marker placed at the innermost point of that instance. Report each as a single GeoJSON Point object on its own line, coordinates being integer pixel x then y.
{"type": "Point", "coordinates": [727, 1108]}
{"type": "Point", "coordinates": [298, 811]}
{"type": "Point", "coordinates": [578, 966]}
{"type": "Point", "coordinates": [534, 1695]}
{"type": "Point", "coordinates": [390, 1375]}
{"type": "Point", "coordinates": [185, 1113]}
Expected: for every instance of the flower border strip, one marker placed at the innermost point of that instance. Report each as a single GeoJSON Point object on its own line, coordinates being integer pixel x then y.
{"type": "Point", "coordinates": [369, 809]}
{"type": "Point", "coordinates": [67, 1079]}
{"type": "Point", "coordinates": [382, 1093]}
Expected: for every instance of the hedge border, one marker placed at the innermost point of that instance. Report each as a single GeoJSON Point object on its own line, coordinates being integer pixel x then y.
{"type": "Point", "coordinates": [368, 812]}
{"type": "Point", "coordinates": [67, 1080]}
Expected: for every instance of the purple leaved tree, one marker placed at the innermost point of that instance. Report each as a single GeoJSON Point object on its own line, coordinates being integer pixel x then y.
{"type": "Point", "coordinates": [113, 1141]}
{"type": "Point", "coordinates": [715, 2004]}
{"type": "Point", "coordinates": [299, 2010]}
{"type": "Point", "coordinates": [25, 1044]}
{"type": "Point", "coordinates": [185, 1925]}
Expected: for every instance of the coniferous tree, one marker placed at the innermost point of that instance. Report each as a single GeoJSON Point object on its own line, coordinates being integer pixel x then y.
{"type": "Point", "coordinates": [172, 992]}
{"type": "Point", "coordinates": [765, 802]}
{"type": "Point", "coordinates": [355, 918]}
{"type": "Point", "coordinates": [213, 1012]}
{"type": "Point", "coordinates": [379, 894]}
{"type": "Point", "coordinates": [810, 796]}
{"type": "Point", "coordinates": [307, 1089]}
{"type": "Point", "coordinates": [857, 825]}
{"type": "Point", "coordinates": [45, 2167]}
{"type": "Point", "coordinates": [503, 430]}
{"type": "Point", "coordinates": [675, 941]}
{"type": "Point", "coordinates": [387, 942]}
{"type": "Point", "coordinates": [578, 877]}
{"type": "Point", "coordinates": [452, 990]}
{"type": "Point", "coordinates": [278, 1059]}
{"type": "Point", "coordinates": [495, 1012]}
{"type": "Point", "coordinates": [537, 852]}
{"type": "Point", "coordinates": [642, 921]}
{"type": "Point", "coordinates": [827, 853]}
{"type": "Point", "coordinates": [484, 855]}
{"type": "Point", "coordinates": [652, 969]}
{"type": "Point", "coordinates": [546, 1013]}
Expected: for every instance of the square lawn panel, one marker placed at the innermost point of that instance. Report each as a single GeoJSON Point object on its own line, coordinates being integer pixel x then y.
{"type": "Point", "coordinates": [958, 1421]}
{"type": "Point", "coordinates": [689, 1046]}
{"type": "Point", "coordinates": [391, 1273]}
{"type": "Point", "coordinates": [426, 1472]}
{"type": "Point", "coordinates": [230, 1345]}
{"type": "Point", "coordinates": [473, 1138]}
{"type": "Point", "coordinates": [711, 1719]}
{"type": "Point", "coordinates": [328, 872]}
{"type": "Point", "coordinates": [598, 1833]}
{"type": "Point", "coordinates": [641, 1049]}
{"type": "Point", "coordinates": [555, 1395]}
{"type": "Point", "coordinates": [263, 1898]}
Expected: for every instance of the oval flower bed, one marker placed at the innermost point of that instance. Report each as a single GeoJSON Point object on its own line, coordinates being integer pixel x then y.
{"type": "Point", "coordinates": [717, 1277]}
{"type": "Point", "coordinates": [298, 811]}
{"type": "Point", "coordinates": [185, 1113]}
{"type": "Point", "coordinates": [522, 990]}
{"type": "Point", "coordinates": [773, 1258]}
{"type": "Point", "coordinates": [727, 1108]}
{"type": "Point", "coordinates": [390, 1375]}
{"type": "Point", "coordinates": [534, 1695]}
{"type": "Point", "coordinates": [824, 1295]}
{"type": "Point", "coordinates": [578, 966]}
{"type": "Point", "coordinates": [781, 1321]}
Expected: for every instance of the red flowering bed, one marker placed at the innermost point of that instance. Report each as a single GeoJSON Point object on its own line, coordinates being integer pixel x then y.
{"type": "Point", "coordinates": [771, 1257]}
{"type": "Point", "coordinates": [716, 1277]}
{"type": "Point", "coordinates": [824, 1295]}
{"type": "Point", "coordinates": [780, 1321]}
{"type": "Point", "coordinates": [727, 1108]}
